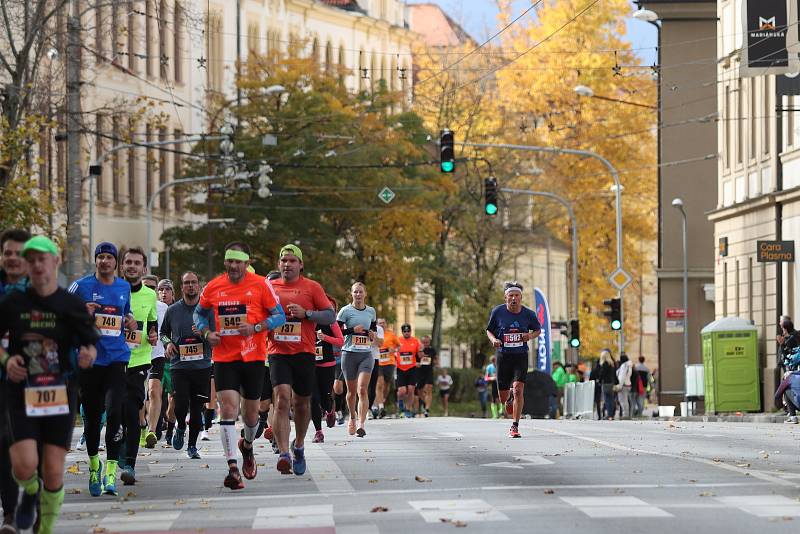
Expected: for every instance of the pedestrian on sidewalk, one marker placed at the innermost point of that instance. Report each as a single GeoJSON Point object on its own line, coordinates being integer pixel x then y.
{"type": "Point", "coordinates": [444, 381]}
{"type": "Point", "coordinates": [594, 375]}
{"type": "Point", "coordinates": [560, 378]}
{"type": "Point", "coordinates": [608, 382]}
{"type": "Point", "coordinates": [640, 383]}
{"type": "Point", "coordinates": [483, 395]}
{"type": "Point", "coordinates": [624, 374]}
{"type": "Point", "coordinates": [788, 339]}
{"type": "Point", "coordinates": [788, 394]}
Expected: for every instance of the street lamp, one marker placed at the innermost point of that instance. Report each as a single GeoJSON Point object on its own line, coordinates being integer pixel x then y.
{"type": "Point", "coordinates": [645, 15]}
{"type": "Point", "coordinates": [678, 203]}
{"type": "Point", "coordinates": [588, 92]}
{"type": "Point", "coordinates": [583, 90]}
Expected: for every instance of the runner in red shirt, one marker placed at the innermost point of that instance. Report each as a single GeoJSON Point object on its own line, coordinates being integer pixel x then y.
{"type": "Point", "coordinates": [244, 308]}
{"type": "Point", "coordinates": [292, 353]}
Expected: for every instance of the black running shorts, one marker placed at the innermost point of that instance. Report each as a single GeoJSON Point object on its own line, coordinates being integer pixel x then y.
{"type": "Point", "coordinates": [157, 369]}
{"type": "Point", "coordinates": [244, 377]}
{"type": "Point", "coordinates": [511, 368]}
{"type": "Point", "coordinates": [297, 370]}
{"type": "Point", "coordinates": [53, 430]}
{"type": "Point", "coordinates": [407, 377]}
{"type": "Point", "coordinates": [266, 389]}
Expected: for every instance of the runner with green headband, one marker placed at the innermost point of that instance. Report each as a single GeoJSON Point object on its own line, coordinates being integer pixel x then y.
{"type": "Point", "coordinates": [244, 308]}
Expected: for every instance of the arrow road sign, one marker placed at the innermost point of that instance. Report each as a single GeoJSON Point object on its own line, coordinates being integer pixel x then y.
{"type": "Point", "coordinates": [387, 195]}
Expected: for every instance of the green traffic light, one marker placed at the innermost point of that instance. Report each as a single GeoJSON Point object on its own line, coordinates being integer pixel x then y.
{"type": "Point", "coordinates": [616, 324]}
{"type": "Point", "coordinates": [447, 166]}
{"type": "Point", "coordinates": [491, 209]}
{"type": "Point", "coordinates": [575, 342]}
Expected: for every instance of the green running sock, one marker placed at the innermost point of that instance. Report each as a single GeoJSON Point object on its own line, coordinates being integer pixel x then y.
{"type": "Point", "coordinates": [94, 462]}
{"type": "Point", "coordinates": [50, 509]}
{"type": "Point", "coordinates": [111, 467]}
{"type": "Point", "coordinates": [494, 410]}
{"type": "Point", "coordinates": [31, 486]}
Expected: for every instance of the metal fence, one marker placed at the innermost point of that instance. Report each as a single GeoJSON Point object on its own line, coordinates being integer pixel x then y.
{"type": "Point", "coordinates": [579, 400]}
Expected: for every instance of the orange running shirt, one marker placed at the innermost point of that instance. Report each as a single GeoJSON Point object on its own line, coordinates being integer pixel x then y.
{"type": "Point", "coordinates": [390, 342]}
{"type": "Point", "coordinates": [297, 334]}
{"type": "Point", "coordinates": [407, 353]}
{"type": "Point", "coordinates": [234, 305]}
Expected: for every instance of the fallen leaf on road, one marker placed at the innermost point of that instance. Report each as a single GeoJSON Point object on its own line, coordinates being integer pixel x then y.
{"type": "Point", "coordinates": [205, 466]}
{"type": "Point", "coordinates": [459, 524]}
{"type": "Point", "coordinates": [180, 501]}
{"type": "Point", "coordinates": [131, 494]}
{"type": "Point", "coordinates": [692, 480]}
{"type": "Point", "coordinates": [99, 529]}
{"type": "Point", "coordinates": [372, 481]}
{"type": "Point", "coordinates": [618, 491]}
{"type": "Point", "coordinates": [74, 491]}
{"type": "Point", "coordinates": [706, 494]}
{"type": "Point", "coordinates": [379, 509]}
{"type": "Point", "coordinates": [460, 464]}
{"type": "Point", "coordinates": [549, 492]}
{"type": "Point", "coordinates": [419, 478]}
{"type": "Point", "coordinates": [742, 465]}
{"type": "Point", "coordinates": [74, 470]}
{"type": "Point", "coordinates": [716, 460]}
{"type": "Point", "coordinates": [131, 512]}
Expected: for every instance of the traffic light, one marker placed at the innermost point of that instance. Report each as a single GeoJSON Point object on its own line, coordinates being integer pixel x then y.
{"type": "Point", "coordinates": [614, 313]}
{"type": "Point", "coordinates": [574, 334]}
{"type": "Point", "coordinates": [490, 196]}
{"type": "Point", "coordinates": [447, 161]}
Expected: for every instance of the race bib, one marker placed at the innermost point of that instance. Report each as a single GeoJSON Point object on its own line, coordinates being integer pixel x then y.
{"type": "Point", "coordinates": [406, 358]}
{"type": "Point", "coordinates": [45, 392]}
{"type": "Point", "coordinates": [231, 318]}
{"type": "Point", "coordinates": [385, 356]}
{"type": "Point", "coordinates": [108, 319]}
{"type": "Point", "coordinates": [361, 342]}
{"type": "Point", "coordinates": [190, 349]}
{"type": "Point", "coordinates": [289, 332]}
{"type": "Point", "coordinates": [425, 360]}
{"type": "Point", "coordinates": [318, 354]}
{"type": "Point", "coordinates": [134, 337]}
{"type": "Point", "coordinates": [512, 340]}
{"type": "Point", "coordinates": [44, 401]}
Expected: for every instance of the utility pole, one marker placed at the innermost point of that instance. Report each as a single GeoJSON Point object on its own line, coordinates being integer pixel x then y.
{"type": "Point", "coordinates": [74, 263]}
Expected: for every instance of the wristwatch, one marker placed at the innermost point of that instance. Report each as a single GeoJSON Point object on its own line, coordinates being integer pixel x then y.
{"type": "Point", "coordinates": [258, 327]}
{"type": "Point", "coordinates": [308, 314]}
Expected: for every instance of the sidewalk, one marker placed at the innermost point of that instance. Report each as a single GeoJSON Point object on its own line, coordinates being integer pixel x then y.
{"type": "Point", "coordinates": [729, 418]}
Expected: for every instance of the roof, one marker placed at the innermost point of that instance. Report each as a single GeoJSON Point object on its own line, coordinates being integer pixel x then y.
{"type": "Point", "coordinates": [436, 27]}
{"type": "Point", "coordinates": [347, 5]}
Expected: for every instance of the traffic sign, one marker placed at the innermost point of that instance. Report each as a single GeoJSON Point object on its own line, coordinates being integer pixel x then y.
{"type": "Point", "coordinates": [620, 279]}
{"type": "Point", "coordinates": [387, 195]}
{"type": "Point", "coordinates": [674, 313]}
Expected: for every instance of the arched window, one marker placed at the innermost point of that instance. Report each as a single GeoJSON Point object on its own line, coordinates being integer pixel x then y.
{"type": "Point", "coordinates": [329, 58]}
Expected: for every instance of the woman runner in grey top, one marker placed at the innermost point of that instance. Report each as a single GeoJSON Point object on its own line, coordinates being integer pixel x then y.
{"type": "Point", "coordinates": [359, 326]}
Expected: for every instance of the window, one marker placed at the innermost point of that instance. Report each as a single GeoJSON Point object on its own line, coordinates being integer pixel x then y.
{"type": "Point", "coordinates": [753, 186]}
{"type": "Point", "coordinates": [163, 174]}
{"type": "Point", "coordinates": [115, 30]}
{"type": "Point", "coordinates": [373, 77]}
{"type": "Point", "coordinates": [163, 56]}
{"type": "Point", "coordinates": [728, 119]}
{"type": "Point", "coordinates": [214, 52]}
{"type": "Point", "coordinates": [132, 190]}
{"type": "Point", "coordinates": [767, 113]}
{"type": "Point", "coordinates": [148, 36]}
{"type": "Point", "coordinates": [766, 180]}
{"type": "Point", "coordinates": [99, 148]}
{"type": "Point", "coordinates": [740, 190]}
{"type": "Point", "coordinates": [789, 121]}
{"type": "Point", "coordinates": [736, 296]}
{"type": "Point", "coordinates": [725, 289]}
{"type": "Point", "coordinates": [148, 173]}
{"type": "Point", "coordinates": [99, 31]}
{"type": "Point", "coordinates": [753, 152]}
{"type": "Point", "coordinates": [177, 46]}
{"type": "Point", "coordinates": [740, 124]}
{"type": "Point", "coordinates": [727, 193]}
{"type": "Point", "coordinates": [115, 161]}
{"type": "Point", "coordinates": [177, 171]}
{"type": "Point", "coordinates": [253, 40]}
{"type": "Point", "coordinates": [132, 38]}
{"type": "Point", "coordinates": [329, 58]}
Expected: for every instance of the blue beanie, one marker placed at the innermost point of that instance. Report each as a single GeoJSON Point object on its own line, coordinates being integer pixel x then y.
{"type": "Point", "coordinates": [105, 248]}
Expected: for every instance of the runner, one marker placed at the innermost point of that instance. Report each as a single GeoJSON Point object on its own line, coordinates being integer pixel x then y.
{"type": "Point", "coordinates": [13, 277]}
{"type": "Point", "coordinates": [427, 362]}
{"type": "Point", "coordinates": [190, 364]}
{"type": "Point", "coordinates": [141, 341]}
{"type": "Point", "coordinates": [243, 308]}
{"type": "Point", "coordinates": [265, 415]}
{"type": "Point", "coordinates": [511, 326]}
{"type": "Point", "coordinates": [157, 378]}
{"type": "Point", "coordinates": [386, 366]}
{"type": "Point", "coordinates": [491, 378]}
{"type": "Point", "coordinates": [359, 326]}
{"type": "Point", "coordinates": [102, 388]}
{"type": "Point", "coordinates": [407, 364]}
{"type": "Point", "coordinates": [329, 339]}
{"type": "Point", "coordinates": [292, 355]}
{"type": "Point", "coordinates": [47, 327]}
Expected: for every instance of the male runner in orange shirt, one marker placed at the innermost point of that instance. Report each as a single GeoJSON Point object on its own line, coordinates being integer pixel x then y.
{"type": "Point", "coordinates": [386, 363]}
{"type": "Point", "coordinates": [407, 353]}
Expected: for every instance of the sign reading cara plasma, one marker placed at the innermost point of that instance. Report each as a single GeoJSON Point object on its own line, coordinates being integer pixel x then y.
{"type": "Point", "coordinates": [775, 250]}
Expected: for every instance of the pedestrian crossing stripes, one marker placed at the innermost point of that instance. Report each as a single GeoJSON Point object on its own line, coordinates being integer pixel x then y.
{"type": "Point", "coordinates": [288, 517]}
{"type": "Point", "coordinates": [764, 505]}
{"type": "Point", "coordinates": [464, 510]}
{"type": "Point", "coordinates": [141, 521]}
{"type": "Point", "coordinates": [614, 507]}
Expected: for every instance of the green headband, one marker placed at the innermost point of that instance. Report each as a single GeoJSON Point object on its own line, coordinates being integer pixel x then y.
{"type": "Point", "coordinates": [233, 254]}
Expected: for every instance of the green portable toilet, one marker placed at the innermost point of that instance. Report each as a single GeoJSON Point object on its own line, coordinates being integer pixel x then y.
{"type": "Point", "coordinates": [730, 361]}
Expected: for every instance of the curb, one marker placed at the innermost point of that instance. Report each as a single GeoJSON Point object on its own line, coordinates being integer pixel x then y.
{"type": "Point", "coordinates": [749, 418]}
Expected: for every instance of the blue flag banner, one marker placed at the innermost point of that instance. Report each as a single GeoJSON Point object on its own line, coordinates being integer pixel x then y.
{"type": "Point", "coordinates": [544, 346]}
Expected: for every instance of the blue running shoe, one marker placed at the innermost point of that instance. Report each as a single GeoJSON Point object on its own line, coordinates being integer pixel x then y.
{"type": "Point", "coordinates": [25, 515]}
{"type": "Point", "coordinates": [177, 439]}
{"type": "Point", "coordinates": [95, 486]}
{"type": "Point", "coordinates": [192, 453]}
{"type": "Point", "coordinates": [299, 460]}
{"type": "Point", "coordinates": [128, 476]}
{"type": "Point", "coordinates": [110, 484]}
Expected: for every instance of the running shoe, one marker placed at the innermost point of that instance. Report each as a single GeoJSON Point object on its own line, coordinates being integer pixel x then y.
{"type": "Point", "coordinates": [95, 487]}
{"type": "Point", "coordinates": [275, 449]}
{"type": "Point", "coordinates": [382, 413]}
{"type": "Point", "coordinates": [284, 464]}
{"type": "Point", "coordinates": [204, 436]}
{"type": "Point", "coordinates": [234, 479]}
{"type": "Point", "coordinates": [426, 413]}
{"type": "Point", "coordinates": [374, 411]}
{"type": "Point", "coordinates": [330, 419]}
{"type": "Point", "coordinates": [249, 467]}
{"type": "Point", "coordinates": [510, 406]}
{"type": "Point", "coordinates": [361, 432]}
{"type": "Point", "coordinates": [351, 426]}
{"type": "Point", "coordinates": [268, 434]}
{"type": "Point", "coordinates": [299, 460]}
{"type": "Point", "coordinates": [150, 440]}
{"type": "Point", "coordinates": [25, 514]}
{"type": "Point", "coordinates": [513, 432]}
{"type": "Point", "coordinates": [339, 418]}
{"type": "Point", "coordinates": [81, 443]}
{"type": "Point", "coordinates": [792, 420]}
{"type": "Point", "coordinates": [128, 476]}
{"type": "Point", "coordinates": [110, 484]}
{"type": "Point", "coordinates": [192, 453]}
{"type": "Point", "coordinates": [177, 439]}
{"type": "Point", "coordinates": [319, 437]}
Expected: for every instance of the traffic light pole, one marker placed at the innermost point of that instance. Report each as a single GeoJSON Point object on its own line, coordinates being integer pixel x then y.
{"type": "Point", "coordinates": [573, 233]}
{"type": "Point", "coordinates": [618, 199]}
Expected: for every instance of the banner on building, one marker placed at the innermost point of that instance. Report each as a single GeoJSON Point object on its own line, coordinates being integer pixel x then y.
{"type": "Point", "coordinates": [770, 44]}
{"type": "Point", "coordinates": [544, 349]}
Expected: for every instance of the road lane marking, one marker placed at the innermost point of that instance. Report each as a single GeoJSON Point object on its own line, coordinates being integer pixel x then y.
{"type": "Point", "coordinates": [466, 510]}
{"type": "Point", "coordinates": [324, 471]}
{"type": "Point", "coordinates": [313, 516]}
{"type": "Point", "coordinates": [720, 465]}
{"type": "Point", "coordinates": [520, 462]}
{"type": "Point", "coordinates": [764, 505]}
{"type": "Point", "coordinates": [609, 507]}
{"type": "Point", "coordinates": [139, 521]}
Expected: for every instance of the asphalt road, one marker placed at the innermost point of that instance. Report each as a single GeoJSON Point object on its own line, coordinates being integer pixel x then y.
{"type": "Point", "coordinates": [435, 475]}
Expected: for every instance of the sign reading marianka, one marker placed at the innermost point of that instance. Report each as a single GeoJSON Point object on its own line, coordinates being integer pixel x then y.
{"type": "Point", "coordinates": [775, 251]}
{"type": "Point", "coordinates": [543, 348]}
{"type": "Point", "coordinates": [674, 313]}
